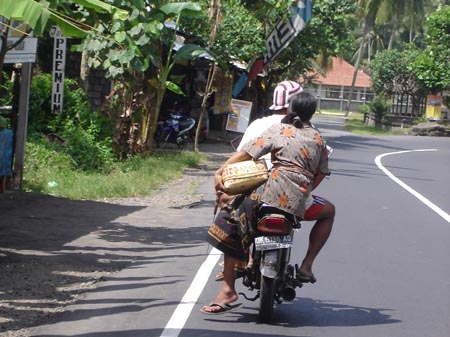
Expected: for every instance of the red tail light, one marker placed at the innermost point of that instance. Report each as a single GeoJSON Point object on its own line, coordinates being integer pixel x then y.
{"type": "Point", "coordinates": [274, 224]}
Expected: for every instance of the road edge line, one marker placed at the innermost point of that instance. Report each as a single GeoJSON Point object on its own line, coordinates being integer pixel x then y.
{"type": "Point", "coordinates": [187, 303]}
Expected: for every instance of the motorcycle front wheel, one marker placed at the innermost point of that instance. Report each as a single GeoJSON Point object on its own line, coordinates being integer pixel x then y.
{"type": "Point", "coordinates": [267, 293]}
{"type": "Point", "coordinates": [162, 138]}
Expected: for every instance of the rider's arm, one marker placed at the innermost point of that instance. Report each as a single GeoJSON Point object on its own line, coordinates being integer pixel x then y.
{"type": "Point", "coordinates": [235, 158]}
{"type": "Point", "coordinates": [318, 177]}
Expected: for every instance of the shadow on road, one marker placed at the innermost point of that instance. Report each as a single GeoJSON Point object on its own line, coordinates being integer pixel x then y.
{"type": "Point", "coordinates": [53, 249]}
{"type": "Point", "coordinates": [304, 312]}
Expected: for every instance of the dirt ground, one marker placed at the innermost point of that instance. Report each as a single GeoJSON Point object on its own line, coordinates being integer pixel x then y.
{"type": "Point", "coordinates": [44, 266]}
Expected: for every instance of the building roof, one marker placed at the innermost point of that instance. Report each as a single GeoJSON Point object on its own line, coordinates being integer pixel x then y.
{"type": "Point", "coordinates": [341, 74]}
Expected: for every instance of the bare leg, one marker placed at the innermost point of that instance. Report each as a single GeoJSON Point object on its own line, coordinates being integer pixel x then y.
{"type": "Point", "coordinates": [227, 293]}
{"type": "Point", "coordinates": [318, 236]}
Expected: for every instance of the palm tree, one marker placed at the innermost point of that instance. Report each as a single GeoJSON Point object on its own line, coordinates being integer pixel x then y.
{"type": "Point", "coordinates": [415, 13]}
{"type": "Point", "coordinates": [375, 43]}
{"type": "Point", "coordinates": [396, 8]}
{"type": "Point", "coordinates": [368, 10]}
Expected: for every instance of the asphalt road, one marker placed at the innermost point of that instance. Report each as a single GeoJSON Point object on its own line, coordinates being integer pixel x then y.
{"type": "Point", "coordinates": [385, 271]}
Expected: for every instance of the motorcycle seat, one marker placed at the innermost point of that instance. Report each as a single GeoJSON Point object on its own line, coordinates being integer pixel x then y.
{"type": "Point", "coordinates": [186, 123]}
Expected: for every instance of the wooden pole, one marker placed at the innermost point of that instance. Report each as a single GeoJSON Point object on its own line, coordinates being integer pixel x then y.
{"type": "Point", "coordinates": [22, 121]}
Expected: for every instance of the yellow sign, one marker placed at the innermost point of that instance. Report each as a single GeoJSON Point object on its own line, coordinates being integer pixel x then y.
{"type": "Point", "coordinates": [223, 83]}
{"type": "Point", "coordinates": [434, 107]}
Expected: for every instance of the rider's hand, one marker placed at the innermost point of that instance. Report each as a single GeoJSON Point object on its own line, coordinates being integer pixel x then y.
{"type": "Point", "coordinates": [218, 182]}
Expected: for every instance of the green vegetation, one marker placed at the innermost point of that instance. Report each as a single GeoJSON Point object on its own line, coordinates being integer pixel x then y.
{"type": "Point", "coordinates": [355, 124]}
{"type": "Point", "coordinates": [48, 169]}
{"type": "Point", "coordinates": [71, 154]}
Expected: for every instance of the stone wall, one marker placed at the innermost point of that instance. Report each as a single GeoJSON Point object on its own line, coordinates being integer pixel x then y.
{"type": "Point", "coordinates": [392, 123]}
{"type": "Point", "coordinates": [99, 87]}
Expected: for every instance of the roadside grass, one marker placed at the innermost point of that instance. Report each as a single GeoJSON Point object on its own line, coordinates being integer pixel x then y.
{"type": "Point", "coordinates": [52, 172]}
{"type": "Point", "coordinates": [355, 124]}
{"type": "Point", "coordinates": [330, 112]}
{"type": "Point", "coordinates": [47, 171]}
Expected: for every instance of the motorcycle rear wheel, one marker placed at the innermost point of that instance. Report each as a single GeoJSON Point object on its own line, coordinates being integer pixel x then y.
{"type": "Point", "coordinates": [267, 293]}
{"type": "Point", "coordinates": [201, 137]}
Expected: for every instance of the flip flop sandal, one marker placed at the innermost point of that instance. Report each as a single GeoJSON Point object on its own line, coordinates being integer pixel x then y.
{"type": "Point", "coordinates": [223, 308]}
{"type": "Point", "coordinates": [305, 278]}
{"type": "Point", "coordinates": [219, 276]}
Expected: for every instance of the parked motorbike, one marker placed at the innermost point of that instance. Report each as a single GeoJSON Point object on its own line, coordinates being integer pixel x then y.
{"type": "Point", "coordinates": [177, 129]}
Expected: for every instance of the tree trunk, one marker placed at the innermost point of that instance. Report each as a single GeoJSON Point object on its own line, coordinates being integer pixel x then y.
{"type": "Point", "coordinates": [357, 63]}
{"type": "Point", "coordinates": [214, 17]}
{"type": "Point", "coordinates": [411, 27]}
{"type": "Point", "coordinates": [3, 47]}
{"type": "Point", "coordinates": [393, 32]}
{"type": "Point", "coordinates": [84, 70]}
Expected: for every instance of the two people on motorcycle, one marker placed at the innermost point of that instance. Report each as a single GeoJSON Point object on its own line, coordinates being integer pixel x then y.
{"type": "Point", "coordinates": [299, 157]}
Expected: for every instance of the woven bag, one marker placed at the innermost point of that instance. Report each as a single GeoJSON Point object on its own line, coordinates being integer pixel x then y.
{"type": "Point", "coordinates": [244, 176]}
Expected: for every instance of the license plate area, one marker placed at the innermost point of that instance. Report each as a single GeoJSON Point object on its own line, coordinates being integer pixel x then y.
{"type": "Point", "coordinates": [273, 242]}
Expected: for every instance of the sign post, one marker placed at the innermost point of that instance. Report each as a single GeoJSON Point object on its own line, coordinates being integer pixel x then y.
{"type": "Point", "coordinates": [24, 54]}
{"type": "Point", "coordinates": [434, 107]}
{"type": "Point", "coordinates": [25, 51]}
{"type": "Point", "coordinates": [59, 64]}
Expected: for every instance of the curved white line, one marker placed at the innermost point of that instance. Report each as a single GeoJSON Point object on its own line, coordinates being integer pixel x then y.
{"type": "Point", "coordinates": [419, 196]}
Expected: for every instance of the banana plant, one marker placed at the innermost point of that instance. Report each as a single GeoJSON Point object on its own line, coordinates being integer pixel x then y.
{"type": "Point", "coordinates": [138, 54]}
{"type": "Point", "coordinates": [40, 14]}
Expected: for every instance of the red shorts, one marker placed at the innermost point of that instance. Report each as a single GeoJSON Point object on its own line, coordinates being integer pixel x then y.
{"type": "Point", "coordinates": [314, 210]}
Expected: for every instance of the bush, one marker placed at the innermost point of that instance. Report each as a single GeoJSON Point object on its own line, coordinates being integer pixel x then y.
{"type": "Point", "coordinates": [85, 134]}
{"type": "Point", "coordinates": [379, 106]}
{"type": "Point", "coordinates": [6, 91]}
{"type": "Point", "coordinates": [42, 163]}
{"type": "Point", "coordinates": [87, 152]}
{"type": "Point", "coordinates": [364, 108]}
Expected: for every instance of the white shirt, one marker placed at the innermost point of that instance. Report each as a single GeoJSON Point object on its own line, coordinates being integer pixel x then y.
{"type": "Point", "coordinates": [256, 128]}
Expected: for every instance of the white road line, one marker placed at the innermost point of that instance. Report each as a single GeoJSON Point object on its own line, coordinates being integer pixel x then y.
{"type": "Point", "coordinates": [427, 202]}
{"type": "Point", "coordinates": [184, 308]}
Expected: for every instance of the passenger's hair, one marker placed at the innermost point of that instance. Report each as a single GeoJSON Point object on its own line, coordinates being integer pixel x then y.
{"type": "Point", "coordinates": [301, 108]}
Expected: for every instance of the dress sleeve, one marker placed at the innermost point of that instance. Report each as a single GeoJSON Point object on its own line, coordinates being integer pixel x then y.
{"type": "Point", "coordinates": [323, 163]}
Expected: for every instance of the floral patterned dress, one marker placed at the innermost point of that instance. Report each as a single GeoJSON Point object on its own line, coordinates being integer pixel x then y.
{"type": "Point", "coordinates": [297, 155]}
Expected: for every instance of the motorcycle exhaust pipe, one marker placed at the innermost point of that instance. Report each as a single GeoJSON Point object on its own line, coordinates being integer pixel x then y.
{"type": "Point", "coordinates": [288, 293]}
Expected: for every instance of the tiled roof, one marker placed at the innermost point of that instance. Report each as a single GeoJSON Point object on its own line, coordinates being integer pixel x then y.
{"type": "Point", "coordinates": [342, 74]}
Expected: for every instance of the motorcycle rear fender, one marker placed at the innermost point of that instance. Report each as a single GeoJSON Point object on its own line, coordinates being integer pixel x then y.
{"type": "Point", "coordinates": [186, 126]}
{"type": "Point", "coordinates": [269, 266]}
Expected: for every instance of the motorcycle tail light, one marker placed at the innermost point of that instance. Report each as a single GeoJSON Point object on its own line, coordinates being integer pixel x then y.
{"type": "Point", "coordinates": [274, 224]}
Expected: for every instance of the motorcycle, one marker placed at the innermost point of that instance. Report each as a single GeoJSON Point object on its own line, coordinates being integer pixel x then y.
{"type": "Point", "coordinates": [177, 129]}
{"type": "Point", "coordinates": [270, 273]}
